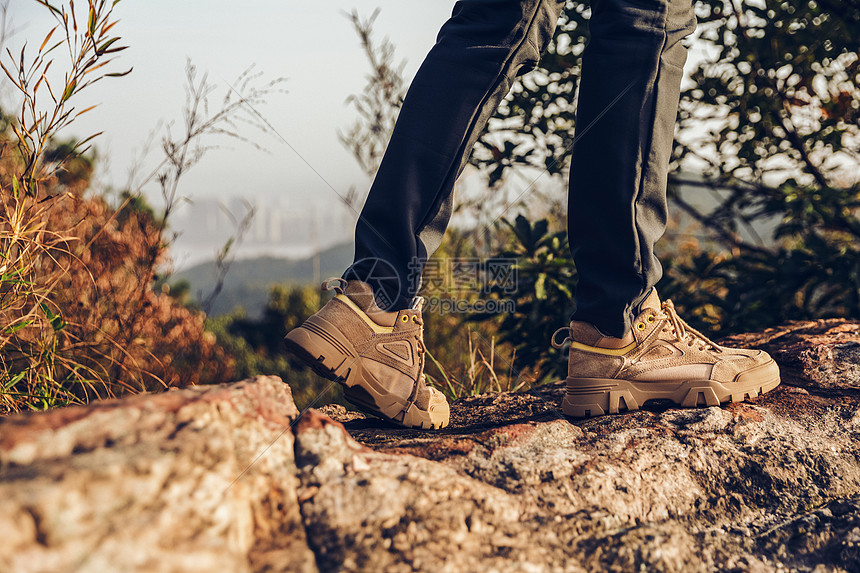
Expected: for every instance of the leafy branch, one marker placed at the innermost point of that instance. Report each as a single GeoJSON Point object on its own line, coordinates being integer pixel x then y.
{"type": "Point", "coordinates": [91, 48]}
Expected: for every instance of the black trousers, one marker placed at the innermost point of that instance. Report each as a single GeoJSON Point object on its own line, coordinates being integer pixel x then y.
{"type": "Point", "coordinates": [626, 111]}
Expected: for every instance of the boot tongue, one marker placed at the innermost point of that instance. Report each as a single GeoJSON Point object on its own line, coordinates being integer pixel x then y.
{"type": "Point", "coordinates": [361, 294]}
{"type": "Point", "coordinates": [652, 301]}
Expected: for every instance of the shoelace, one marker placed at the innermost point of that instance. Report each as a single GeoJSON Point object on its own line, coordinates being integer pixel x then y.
{"type": "Point", "coordinates": [418, 304]}
{"type": "Point", "coordinates": [336, 284]}
{"type": "Point", "coordinates": [683, 330]}
{"type": "Point", "coordinates": [566, 338]}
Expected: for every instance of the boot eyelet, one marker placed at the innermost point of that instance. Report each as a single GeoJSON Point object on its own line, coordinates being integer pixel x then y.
{"type": "Point", "coordinates": [405, 318]}
{"type": "Point", "coordinates": [650, 318]}
{"type": "Point", "coordinates": [415, 320]}
{"type": "Point", "coordinates": [640, 326]}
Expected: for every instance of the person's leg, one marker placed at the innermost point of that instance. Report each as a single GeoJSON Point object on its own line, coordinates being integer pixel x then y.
{"type": "Point", "coordinates": [377, 350]}
{"type": "Point", "coordinates": [626, 346]}
{"type": "Point", "coordinates": [478, 54]}
{"type": "Point", "coordinates": [628, 103]}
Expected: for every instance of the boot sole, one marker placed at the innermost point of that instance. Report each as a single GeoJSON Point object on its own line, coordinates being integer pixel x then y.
{"type": "Point", "coordinates": [587, 397]}
{"type": "Point", "coordinates": [332, 356]}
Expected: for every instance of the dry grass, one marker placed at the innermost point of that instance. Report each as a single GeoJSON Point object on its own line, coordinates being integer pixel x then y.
{"type": "Point", "coordinates": [482, 371]}
{"type": "Point", "coordinates": [79, 318]}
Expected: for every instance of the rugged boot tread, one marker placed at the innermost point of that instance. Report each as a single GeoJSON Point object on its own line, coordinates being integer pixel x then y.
{"type": "Point", "coordinates": [588, 397]}
{"type": "Point", "coordinates": [337, 360]}
{"type": "Point", "coordinates": [661, 358]}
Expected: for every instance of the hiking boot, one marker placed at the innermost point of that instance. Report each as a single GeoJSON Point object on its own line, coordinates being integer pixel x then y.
{"type": "Point", "coordinates": [662, 359]}
{"type": "Point", "coordinates": [378, 356]}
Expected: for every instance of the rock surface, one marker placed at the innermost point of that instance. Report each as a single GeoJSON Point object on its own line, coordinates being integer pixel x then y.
{"type": "Point", "coordinates": [231, 478]}
{"type": "Point", "coordinates": [190, 480]}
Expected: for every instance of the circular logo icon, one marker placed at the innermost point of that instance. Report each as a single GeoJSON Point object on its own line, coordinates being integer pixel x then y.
{"type": "Point", "coordinates": [382, 278]}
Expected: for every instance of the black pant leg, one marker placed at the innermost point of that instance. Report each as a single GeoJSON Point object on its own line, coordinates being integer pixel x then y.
{"type": "Point", "coordinates": [628, 103]}
{"type": "Point", "coordinates": [478, 53]}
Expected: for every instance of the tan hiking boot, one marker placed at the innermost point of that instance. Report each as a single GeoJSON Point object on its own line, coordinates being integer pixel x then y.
{"type": "Point", "coordinates": [378, 356]}
{"type": "Point", "coordinates": [665, 359]}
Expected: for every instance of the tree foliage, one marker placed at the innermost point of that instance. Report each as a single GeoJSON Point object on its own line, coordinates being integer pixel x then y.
{"type": "Point", "coordinates": [82, 312]}
{"type": "Point", "coordinates": [769, 128]}
{"type": "Point", "coordinates": [780, 100]}
{"type": "Point", "coordinates": [545, 279]}
{"type": "Point", "coordinates": [256, 345]}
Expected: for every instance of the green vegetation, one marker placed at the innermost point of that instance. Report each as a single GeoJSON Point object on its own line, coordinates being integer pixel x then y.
{"type": "Point", "coordinates": [256, 345]}
{"type": "Point", "coordinates": [80, 318]}
{"type": "Point", "coordinates": [769, 133]}
{"type": "Point", "coordinates": [544, 296]}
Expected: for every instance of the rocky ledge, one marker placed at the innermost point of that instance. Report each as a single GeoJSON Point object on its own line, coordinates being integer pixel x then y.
{"type": "Point", "coordinates": [232, 478]}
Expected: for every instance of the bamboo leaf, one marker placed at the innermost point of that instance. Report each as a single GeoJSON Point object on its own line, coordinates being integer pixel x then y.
{"type": "Point", "coordinates": [105, 45]}
{"type": "Point", "coordinates": [115, 50]}
{"type": "Point", "coordinates": [70, 89]}
{"type": "Point", "coordinates": [91, 23]}
{"type": "Point", "coordinates": [52, 48]}
{"type": "Point", "coordinates": [51, 91]}
{"type": "Point", "coordinates": [97, 66]}
{"type": "Point", "coordinates": [107, 27]}
{"type": "Point", "coordinates": [119, 74]}
{"type": "Point", "coordinates": [16, 327]}
{"type": "Point", "coordinates": [56, 320]}
{"type": "Point", "coordinates": [48, 38]}
{"type": "Point", "coordinates": [90, 138]}
{"type": "Point", "coordinates": [13, 381]}
{"type": "Point", "coordinates": [52, 8]}
{"type": "Point", "coordinates": [80, 113]}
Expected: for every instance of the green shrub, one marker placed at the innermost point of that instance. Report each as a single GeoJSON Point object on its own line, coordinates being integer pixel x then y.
{"type": "Point", "coordinates": [257, 348]}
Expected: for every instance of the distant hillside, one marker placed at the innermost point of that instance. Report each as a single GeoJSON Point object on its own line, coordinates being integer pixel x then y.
{"type": "Point", "coordinates": [249, 280]}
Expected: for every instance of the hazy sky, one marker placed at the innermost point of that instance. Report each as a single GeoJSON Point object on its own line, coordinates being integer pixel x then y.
{"type": "Point", "coordinates": [310, 43]}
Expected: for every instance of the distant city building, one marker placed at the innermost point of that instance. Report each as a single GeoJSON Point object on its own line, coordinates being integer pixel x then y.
{"type": "Point", "coordinates": [205, 225]}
